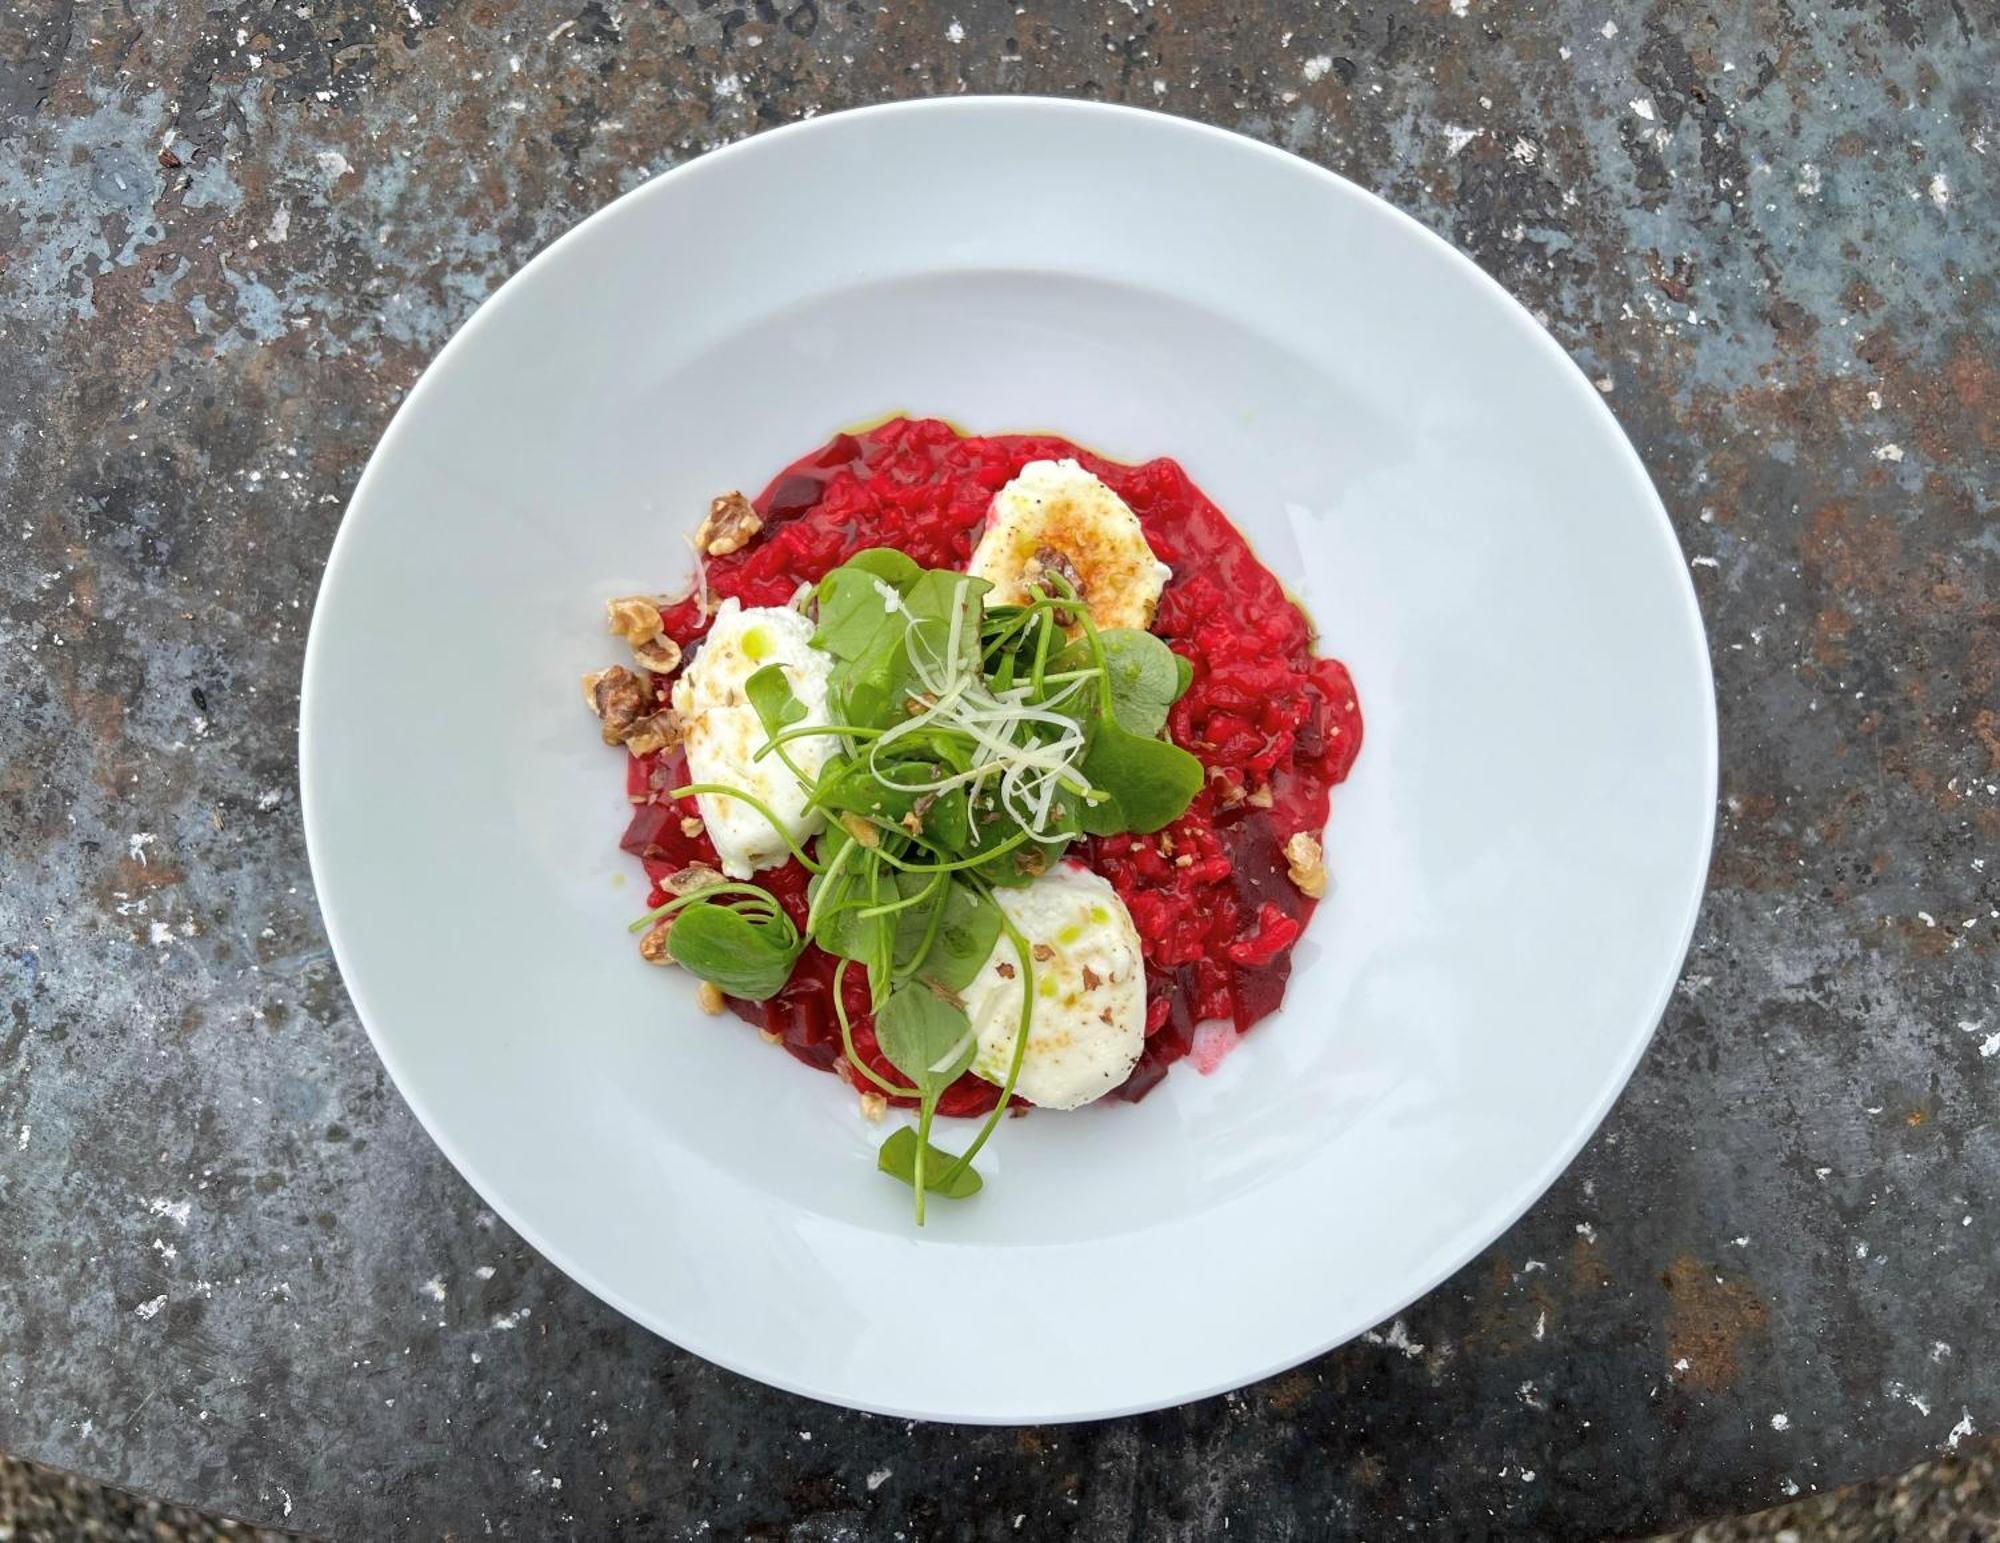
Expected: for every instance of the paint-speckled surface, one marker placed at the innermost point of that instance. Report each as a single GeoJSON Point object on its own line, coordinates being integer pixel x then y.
{"type": "Point", "coordinates": [234, 1271]}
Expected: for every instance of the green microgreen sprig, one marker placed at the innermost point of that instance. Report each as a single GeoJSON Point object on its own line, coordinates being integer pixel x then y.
{"type": "Point", "coordinates": [974, 743]}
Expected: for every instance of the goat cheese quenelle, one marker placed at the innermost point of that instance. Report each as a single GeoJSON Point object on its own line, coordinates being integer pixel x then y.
{"type": "Point", "coordinates": [984, 773]}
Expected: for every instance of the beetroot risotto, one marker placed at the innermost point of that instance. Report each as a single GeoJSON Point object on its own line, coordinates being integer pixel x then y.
{"type": "Point", "coordinates": [980, 772]}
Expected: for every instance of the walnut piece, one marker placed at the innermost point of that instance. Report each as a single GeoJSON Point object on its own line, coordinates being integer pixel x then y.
{"type": "Point", "coordinates": [873, 1107]}
{"type": "Point", "coordinates": [708, 997]}
{"type": "Point", "coordinates": [661, 731]}
{"type": "Point", "coordinates": [634, 618]}
{"type": "Point", "coordinates": [1306, 864]}
{"type": "Point", "coordinates": [619, 698]}
{"type": "Point", "coordinates": [861, 829]}
{"type": "Point", "coordinates": [657, 656]}
{"type": "Point", "coordinates": [686, 881]}
{"type": "Point", "coordinates": [653, 946]}
{"type": "Point", "coordinates": [729, 524]}
{"type": "Point", "coordinates": [691, 827]}
{"type": "Point", "coordinates": [1261, 798]}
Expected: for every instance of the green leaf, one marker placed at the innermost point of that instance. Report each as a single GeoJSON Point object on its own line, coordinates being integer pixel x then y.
{"type": "Point", "coordinates": [1148, 783]}
{"type": "Point", "coordinates": [853, 613]}
{"type": "Point", "coordinates": [897, 1157]}
{"type": "Point", "coordinates": [726, 948]}
{"type": "Point", "coordinates": [1184, 675]}
{"type": "Point", "coordinates": [770, 692]}
{"type": "Point", "coordinates": [959, 944]}
{"type": "Point", "coordinates": [1145, 676]}
{"type": "Point", "coordinates": [931, 602]}
{"type": "Point", "coordinates": [927, 1039]}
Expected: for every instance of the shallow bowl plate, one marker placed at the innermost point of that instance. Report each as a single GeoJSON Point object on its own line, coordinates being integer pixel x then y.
{"type": "Point", "coordinates": [1518, 855]}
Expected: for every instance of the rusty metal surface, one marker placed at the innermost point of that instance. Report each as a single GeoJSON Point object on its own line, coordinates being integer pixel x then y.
{"type": "Point", "coordinates": [233, 1271]}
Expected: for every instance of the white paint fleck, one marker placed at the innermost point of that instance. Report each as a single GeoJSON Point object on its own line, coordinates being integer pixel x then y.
{"type": "Point", "coordinates": [166, 1250]}
{"type": "Point", "coordinates": [1529, 1267]}
{"type": "Point", "coordinates": [1525, 150]}
{"type": "Point", "coordinates": [729, 86]}
{"type": "Point", "coordinates": [1587, 1232]}
{"type": "Point", "coordinates": [1989, 1047]}
{"type": "Point", "coordinates": [1889, 452]}
{"type": "Point", "coordinates": [1460, 7]}
{"type": "Point", "coordinates": [433, 1288]}
{"type": "Point", "coordinates": [1398, 1338]}
{"type": "Point", "coordinates": [1704, 562]}
{"type": "Point", "coordinates": [288, 1499]}
{"type": "Point", "coordinates": [270, 798]}
{"type": "Point", "coordinates": [955, 33]}
{"type": "Point", "coordinates": [484, 1272]}
{"type": "Point", "coordinates": [175, 1211]}
{"type": "Point", "coordinates": [877, 1479]}
{"type": "Point", "coordinates": [1790, 1487]}
{"type": "Point", "coordinates": [1541, 1323]}
{"type": "Point", "coordinates": [22, 1144]}
{"type": "Point", "coordinates": [333, 164]}
{"type": "Point", "coordinates": [1643, 107]}
{"type": "Point", "coordinates": [1926, 918]}
{"type": "Point", "coordinates": [512, 1320]}
{"type": "Point", "coordinates": [160, 934]}
{"type": "Point", "coordinates": [1608, 31]}
{"type": "Point", "coordinates": [281, 224]}
{"type": "Point", "coordinates": [1316, 67]}
{"type": "Point", "coordinates": [151, 1309]}
{"type": "Point", "coordinates": [1959, 1431]}
{"type": "Point", "coordinates": [1940, 1351]}
{"type": "Point", "coordinates": [1809, 181]}
{"type": "Point", "coordinates": [1456, 138]}
{"type": "Point", "coordinates": [1781, 1422]}
{"type": "Point", "coordinates": [135, 846]}
{"type": "Point", "coordinates": [1940, 191]}
{"type": "Point", "coordinates": [1682, 1364]}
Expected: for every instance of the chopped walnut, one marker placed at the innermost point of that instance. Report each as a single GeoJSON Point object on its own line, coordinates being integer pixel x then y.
{"type": "Point", "coordinates": [1004, 970]}
{"type": "Point", "coordinates": [873, 1107]}
{"type": "Point", "coordinates": [686, 881]}
{"type": "Point", "coordinates": [619, 698]}
{"type": "Point", "coordinates": [1261, 798]}
{"type": "Point", "coordinates": [771, 1036]}
{"type": "Point", "coordinates": [691, 827]}
{"type": "Point", "coordinates": [1228, 792]}
{"type": "Point", "coordinates": [1306, 864]}
{"type": "Point", "coordinates": [661, 731]}
{"type": "Point", "coordinates": [708, 997]}
{"type": "Point", "coordinates": [634, 618]}
{"type": "Point", "coordinates": [913, 823]}
{"type": "Point", "coordinates": [653, 946]}
{"type": "Point", "coordinates": [861, 829]}
{"type": "Point", "coordinates": [1043, 953]}
{"type": "Point", "coordinates": [1091, 979]}
{"type": "Point", "coordinates": [658, 656]}
{"type": "Point", "coordinates": [730, 522]}
{"type": "Point", "coordinates": [1185, 860]}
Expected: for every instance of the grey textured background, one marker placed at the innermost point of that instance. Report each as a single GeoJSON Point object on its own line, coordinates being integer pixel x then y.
{"type": "Point", "coordinates": [232, 1268]}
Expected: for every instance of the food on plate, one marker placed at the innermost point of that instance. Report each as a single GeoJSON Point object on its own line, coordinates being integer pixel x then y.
{"type": "Point", "coordinates": [980, 772]}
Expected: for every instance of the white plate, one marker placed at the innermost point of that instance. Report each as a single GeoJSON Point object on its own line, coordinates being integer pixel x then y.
{"type": "Point", "coordinates": [1519, 853]}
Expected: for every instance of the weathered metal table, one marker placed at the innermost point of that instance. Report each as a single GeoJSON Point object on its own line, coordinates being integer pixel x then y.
{"type": "Point", "coordinates": [232, 1268]}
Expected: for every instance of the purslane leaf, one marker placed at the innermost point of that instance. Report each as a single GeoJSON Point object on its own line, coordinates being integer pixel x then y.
{"type": "Point", "coordinates": [1147, 782]}
{"type": "Point", "coordinates": [897, 1157]}
{"type": "Point", "coordinates": [770, 693]}
{"type": "Point", "coordinates": [927, 1039]}
{"type": "Point", "coordinates": [742, 957]}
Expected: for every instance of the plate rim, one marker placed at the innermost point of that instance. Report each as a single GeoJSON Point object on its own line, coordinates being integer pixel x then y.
{"type": "Point", "coordinates": [1480, 1237]}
